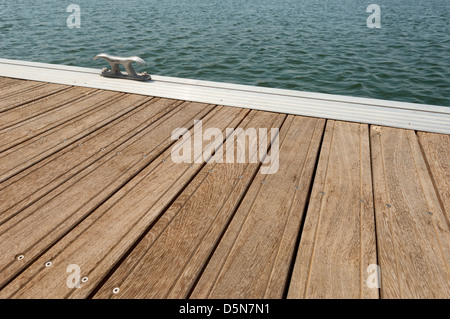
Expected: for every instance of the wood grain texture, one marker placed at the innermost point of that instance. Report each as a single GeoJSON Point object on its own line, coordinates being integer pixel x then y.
{"type": "Point", "coordinates": [32, 92]}
{"type": "Point", "coordinates": [436, 149]}
{"type": "Point", "coordinates": [338, 240]}
{"type": "Point", "coordinates": [254, 256]}
{"type": "Point", "coordinates": [101, 239]}
{"type": "Point", "coordinates": [32, 184]}
{"type": "Point", "coordinates": [169, 258]}
{"type": "Point", "coordinates": [6, 82]}
{"type": "Point", "coordinates": [34, 127]}
{"type": "Point", "coordinates": [30, 110]}
{"type": "Point", "coordinates": [14, 91]}
{"type": "Point", "coordinates": [35, 149]}
{"type": "Point", "coordinates": [81, 195]}
{"type": "Point", "coordinates": [86, 178]}
{"type": "Point", "coordinates": [412, 232]}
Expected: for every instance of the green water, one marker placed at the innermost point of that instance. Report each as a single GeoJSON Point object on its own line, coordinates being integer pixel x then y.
{"type": "Point", "coordinates": [308, 45]}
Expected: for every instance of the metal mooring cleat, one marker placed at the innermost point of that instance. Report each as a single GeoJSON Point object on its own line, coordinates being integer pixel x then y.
{"type": "Point", "coordinates": [114, 61]}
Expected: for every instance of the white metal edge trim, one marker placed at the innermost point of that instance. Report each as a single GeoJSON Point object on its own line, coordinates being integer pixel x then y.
{"type": "Point", "coordinates": [241, 87]}
{"type": "Point", "coordinates": [402, 115]}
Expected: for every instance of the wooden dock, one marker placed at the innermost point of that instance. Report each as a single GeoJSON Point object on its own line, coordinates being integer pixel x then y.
{"type": "Point", "coordinates": [86, 179]}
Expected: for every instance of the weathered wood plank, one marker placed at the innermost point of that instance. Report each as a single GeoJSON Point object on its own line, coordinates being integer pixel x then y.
{"type": "Point", "coordinates": [30, 110]}
{"type": "Point", "coordinates": [43, 223]}
{"type": "Point", "coordinates": [34, 150]}
{"type": "Point", "coordinates": [130, 211]}
{"type": "Point", "coordinates": [31, 92]}
{"type": "Point", "coordinates": [31, 129]}
{"type": "Point", "coordinates": [436, 148]}
{"type": "Point", "coordinates": [212, 230]}
{"type": "Point", "coordinates": [6, 82]}
{"type": "Point", "coordinates": [253, 259]}
{"type": "Point", "coordinates": [338, 239]}
{"type": "Point", "coordinates": [32, 184]}
{"type": "Point", "coordinates": [16, 89]}
{"type": "Point", "coordinates": [412, 231]}
{"type": "Point", "coordinates": [170, 257]}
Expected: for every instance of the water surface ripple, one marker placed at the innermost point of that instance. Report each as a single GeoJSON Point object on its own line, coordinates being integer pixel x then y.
{"type": "Point", "coordinates": [308, 45]}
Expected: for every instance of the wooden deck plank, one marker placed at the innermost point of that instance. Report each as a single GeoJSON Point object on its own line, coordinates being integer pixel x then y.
{"type": "Point", "coordinates": [5, 79]}
{"type": "Point", "coordinates": [412, 231]}
{"type": "Point", "coordinates": [30, 110]}
{"type": "Point", "coordinates": [338, 240]}
{"type": "Point", "coordinates": [80, 196]}
{"type": "Point", "coordinates": [7, 82]}
{"type": "Point", "coordinates": [32, 184]}
{"type": "Point", "coordinates": [253, 258]}
{"type": "Point", "coordinates": [36, 91]}
{"type": "Point", "coordinates": [436, 148]}
{"type": "Point", "coordinates": [131, 210]}
{"type": "Point", "coordinates": [34, 150]}
{"type": "Point", "coordinates": [29, 130]}
{"type": "Point", "coordinates": [190, 227]}
{"type": "Point", "coordinates": [200, 257]}
{"type": "Point", "coordinates": [17, 88]}
{"type": "Point", "coordinates": [110, 199]}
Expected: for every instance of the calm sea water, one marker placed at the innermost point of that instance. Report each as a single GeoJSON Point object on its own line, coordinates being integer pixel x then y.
{"type": "Point", "coordinates": [309, 45]}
